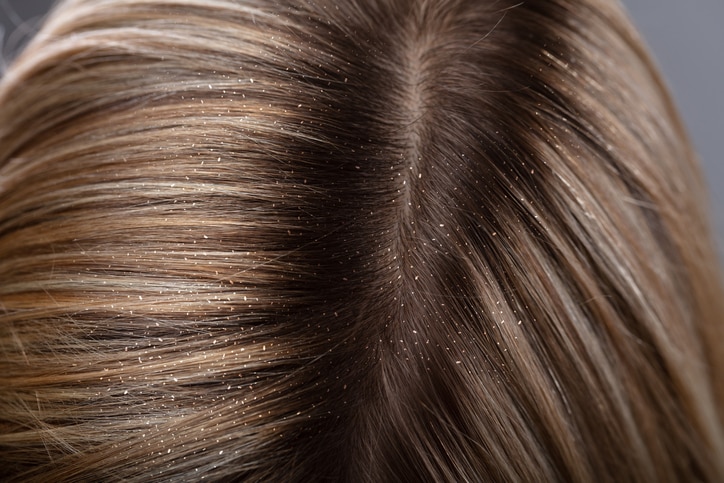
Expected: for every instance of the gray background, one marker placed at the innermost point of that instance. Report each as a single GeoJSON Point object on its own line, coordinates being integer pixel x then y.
{"type": "Point", "coordinates": [686, 37]}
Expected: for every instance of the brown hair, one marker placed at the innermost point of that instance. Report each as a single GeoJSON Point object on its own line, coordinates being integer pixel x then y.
{"type": "Point", "coordinates": [370, 240]}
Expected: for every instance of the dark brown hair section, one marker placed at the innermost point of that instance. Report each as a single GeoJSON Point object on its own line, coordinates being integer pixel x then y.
{"type": "Point", "coordinates": [379, 240]}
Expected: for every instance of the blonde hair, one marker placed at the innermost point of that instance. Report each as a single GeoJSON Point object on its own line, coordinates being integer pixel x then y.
{"type": "Point", "coordinates": [371, 240]}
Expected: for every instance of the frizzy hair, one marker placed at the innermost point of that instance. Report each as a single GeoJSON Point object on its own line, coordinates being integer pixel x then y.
{"type": "Point", "coordinates": [360, 240]}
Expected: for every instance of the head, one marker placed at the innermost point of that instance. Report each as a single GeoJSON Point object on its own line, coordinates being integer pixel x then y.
{"type": "Point", "coordinates": [373, 240]}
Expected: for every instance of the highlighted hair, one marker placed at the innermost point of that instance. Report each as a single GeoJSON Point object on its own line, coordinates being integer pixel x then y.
{"type": "Point", "coordinates": [379, 240]}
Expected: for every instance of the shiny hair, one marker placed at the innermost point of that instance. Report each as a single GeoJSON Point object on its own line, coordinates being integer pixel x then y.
{"type": "Point", "coordinates": [360, 240]}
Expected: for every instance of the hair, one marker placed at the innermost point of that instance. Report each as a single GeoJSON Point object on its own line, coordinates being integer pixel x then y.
{"type": "Point", "coordinates": [370, 240]}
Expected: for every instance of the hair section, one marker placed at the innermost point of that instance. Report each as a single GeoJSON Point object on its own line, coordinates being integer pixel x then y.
{"type": "Point", "coordinates": [380, 240]}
